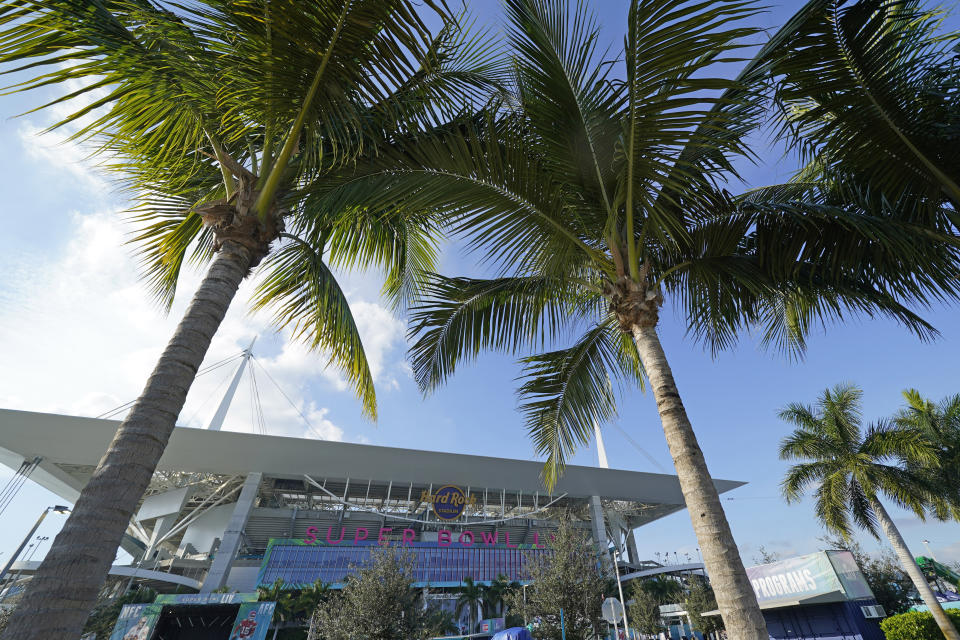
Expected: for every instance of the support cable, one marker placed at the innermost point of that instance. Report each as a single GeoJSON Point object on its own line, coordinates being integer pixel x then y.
{"type": "Point", "coordinates": [262, 421]}
{"type": "Point", "coordinates": [295, 407]}
{"type": "Point", "coordinates": [14, 488]}
{"type": "Point", "coordinates": [204, 370]}
{"type": "Point", "coordinates": [13, 479]}
{"type": "Point", "coordinates": [643, 452]}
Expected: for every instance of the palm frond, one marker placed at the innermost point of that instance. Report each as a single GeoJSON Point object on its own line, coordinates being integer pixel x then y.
{"type": "Point", "coordinates": [305, 296]}
{"type": "Point", "coordinates": [460, 317]}
{"type": "Point", "coordinates": [564, 393]}
{"type": "Point", "coordinates": [863, 88]}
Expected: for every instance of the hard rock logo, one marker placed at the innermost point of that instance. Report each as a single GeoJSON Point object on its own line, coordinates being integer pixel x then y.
{"type": "Point", "coordinates": [448, 501]}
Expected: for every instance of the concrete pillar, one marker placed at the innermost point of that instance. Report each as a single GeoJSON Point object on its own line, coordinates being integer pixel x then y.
{"type": "Point", "coordinates": [632, 553]}
{"type": "Point", "coordinates": [160, 527]}
{"type": "Point", "coordinates": [232, 535]}
{"type": "Point", "coordinates": [599, 526]}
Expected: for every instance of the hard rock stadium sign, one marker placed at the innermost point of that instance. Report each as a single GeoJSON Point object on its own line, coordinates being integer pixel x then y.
{"type": "Point", "coordinates": [448, 502]}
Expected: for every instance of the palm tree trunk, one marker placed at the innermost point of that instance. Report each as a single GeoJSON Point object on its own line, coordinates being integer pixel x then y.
{"type": "Point", "coordinates": [735, 596]}
{"type": "Point", "coordinates": [913, 571]}
{"type": "Point", "coordinates": [64, 590]}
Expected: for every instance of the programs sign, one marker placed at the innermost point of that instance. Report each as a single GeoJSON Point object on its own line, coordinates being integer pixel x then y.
{"type": "Point", "coordinates": [831, 576]}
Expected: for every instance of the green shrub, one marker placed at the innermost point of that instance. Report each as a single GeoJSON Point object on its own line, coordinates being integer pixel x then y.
{"type": "Point", "coordinates": [916, 625]}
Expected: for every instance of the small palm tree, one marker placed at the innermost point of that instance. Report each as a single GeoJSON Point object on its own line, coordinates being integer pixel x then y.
{"type": "Point", "coordinates": [285, 608]}
{"type": "Point", "coordinates": [939, 422]}
{"type": "Point", "coordinates": [472, 597]}
{"type": "Point", "coordinates": [852, 470]}
{"type": "Point", "coordinates": [308, 600]}
{"type": "Point", "coordinates": [663, 590]}
{"type": "Point", "coordinates": [216, 115]}
{"type": "Point", "coordinates": [595, 199]}
{"type": "Point", "coordinates": [495, 594]}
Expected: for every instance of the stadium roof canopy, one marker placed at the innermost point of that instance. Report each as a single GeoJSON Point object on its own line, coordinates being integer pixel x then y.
{"type": "Point", "coordinates": [71, 446]}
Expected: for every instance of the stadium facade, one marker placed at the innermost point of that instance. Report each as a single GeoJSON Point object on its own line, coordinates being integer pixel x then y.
{"type": "Point", "coordinates": [242, 510]}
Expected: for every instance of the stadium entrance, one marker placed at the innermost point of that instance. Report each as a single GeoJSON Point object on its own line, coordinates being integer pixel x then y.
{"type": "Point", "coordinates": [217, 616]}
{"type": "Point", "coordinates": [205, 622]}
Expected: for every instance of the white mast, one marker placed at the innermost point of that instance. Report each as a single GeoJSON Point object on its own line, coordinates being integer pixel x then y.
{"type": "Point", "coordinates": [217, 421]}
{"type": "Point", "coordinates": [601, 450]}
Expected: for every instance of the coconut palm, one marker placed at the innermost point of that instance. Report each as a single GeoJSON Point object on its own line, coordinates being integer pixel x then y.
{"type": "Point", "coordinates": [866, 92]}
{"type": "Point", "coordinates": [853, 469]}
{"type": "Point", "coordinates": [215, 115]}
{"type": "Point", "coordinates": [595, 199]}
{"type": "Point", "coordinates": [939, 422]}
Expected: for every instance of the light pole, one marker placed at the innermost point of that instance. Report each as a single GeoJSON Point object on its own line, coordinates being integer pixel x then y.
{"type": "Point", "coordinates": [623, 603]}
{"type": "Point", "coordinates": [58, 509]}
{"type": "Point", "coordinates": [926, 543]}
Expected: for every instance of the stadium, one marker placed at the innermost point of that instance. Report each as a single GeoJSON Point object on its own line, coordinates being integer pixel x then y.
{"type": "Point", "coordinates": [241, 510]}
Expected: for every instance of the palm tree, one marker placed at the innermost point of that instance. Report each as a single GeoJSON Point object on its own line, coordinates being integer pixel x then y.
{"type": "Point", "coordinates": [470, 596]}
{"type": "Point", "coordinates": [664, 591]}
{"type": "Point", "coordinates": [216, 115]}
{"type": "Point", "coordinates": [939, 422]}
{"type": "Point", "coordinates": [865, 91]}
{"type": "Point", "coordinates": [853, 470]}
{"type": "Point", "coordinates": [285, 608]}
{"type": "Point", "coordinates": [309, 599]}
{"type": "Point", "coordinates": [495, 594]}
{"type": "Point", "coordinates": [595, 199]}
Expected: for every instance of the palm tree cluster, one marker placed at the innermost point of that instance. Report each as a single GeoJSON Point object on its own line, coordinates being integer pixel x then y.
{"type": "Point", "coordinates": [485, 600]}
{"type": "Point", "coordinates": [295, 137]}
{"type": "Point", "coordinates": [294, 606]}
{"type": "Point", "coordinates": [907, 460]}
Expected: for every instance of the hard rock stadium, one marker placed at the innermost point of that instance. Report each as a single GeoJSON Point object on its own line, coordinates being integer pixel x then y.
{"type": "Point", "coordinates": [241, 510]}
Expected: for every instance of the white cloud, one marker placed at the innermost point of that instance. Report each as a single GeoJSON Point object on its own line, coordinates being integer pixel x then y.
{"type": "Point", "coordinates": [80, 336]}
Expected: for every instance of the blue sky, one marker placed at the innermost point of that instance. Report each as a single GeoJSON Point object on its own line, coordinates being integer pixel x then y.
{"type": "Point", "coordinates": [78, 335]}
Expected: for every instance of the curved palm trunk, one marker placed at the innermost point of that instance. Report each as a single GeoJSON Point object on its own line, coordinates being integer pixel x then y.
{"type": "Point", "coordinates": [910, 567]}
{"type": "Point", "coordinates": [64, 590]}
{"type": "Point", "coordinates": [735, 596]}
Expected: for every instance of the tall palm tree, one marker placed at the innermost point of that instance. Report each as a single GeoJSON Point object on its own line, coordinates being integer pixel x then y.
{"type": "Point", "coordinates": [939, 422]}
{"type": "Point", "coordinates": [853, 470]}
{"type": "Point", "coordinates": [594, 199]}
{"type": "Point", "coordinates": [865, 89]}
{"type": "Point", "coordinates": [470, 597]}
{"type": "Point", "coordinates": [215, 115]}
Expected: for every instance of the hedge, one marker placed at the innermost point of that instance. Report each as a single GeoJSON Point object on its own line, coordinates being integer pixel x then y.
{"type": "Point", "coordinates": [916, 625]}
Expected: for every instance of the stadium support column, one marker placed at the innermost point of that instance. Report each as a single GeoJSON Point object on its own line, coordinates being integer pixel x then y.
{"type": "Point", "coordinates": [632, 554]}
{"type": "Point", "coordinates": [598, 523]}
{"type": "Point", "coordinates": [220, 569]}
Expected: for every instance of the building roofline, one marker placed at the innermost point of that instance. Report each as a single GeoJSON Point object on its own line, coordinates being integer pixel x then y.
{"type": "Point", "coordinates": [73, 440]}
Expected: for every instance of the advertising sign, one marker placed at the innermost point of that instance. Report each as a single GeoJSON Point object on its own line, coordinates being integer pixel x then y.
{"type": "Point", "coordinates": [205, 598]}
{"type": "Point", "coordinates": [252, 621]}
{"type": "Point", "coordinates": [136, 622]}
{"type": "Point", "coordinates": [448, 502]}
{"type": "Point", "coordinates": [492, 625]}
{"type": "Point", "coordinates": [795, 579]}
{"type": "Point", "coordinates": [854, 583]}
